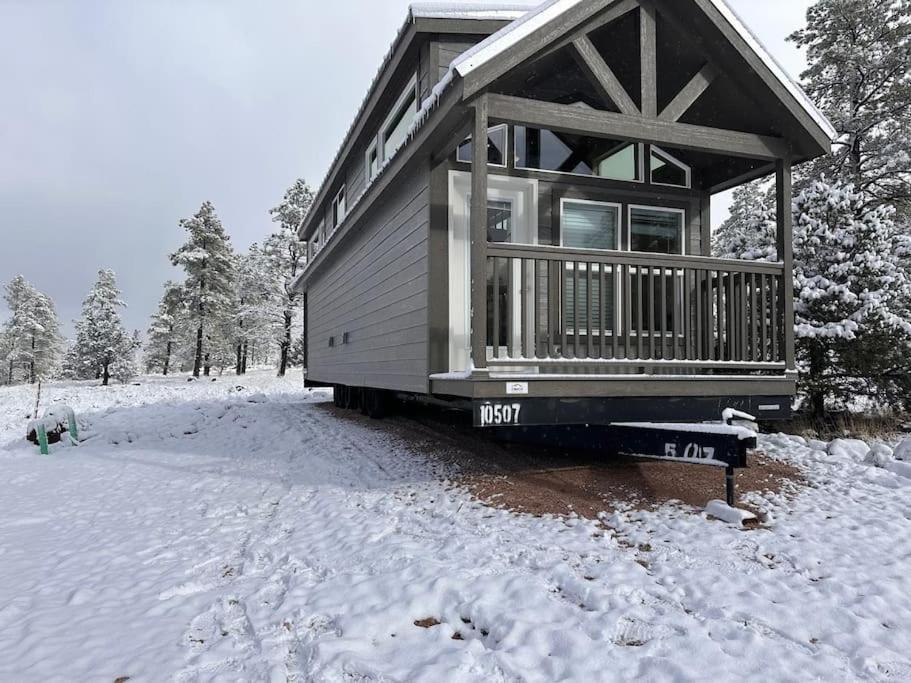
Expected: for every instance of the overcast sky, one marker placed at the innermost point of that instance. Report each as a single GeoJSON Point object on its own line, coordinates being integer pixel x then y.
{"type": "Point", "coordinates": [119, 117]}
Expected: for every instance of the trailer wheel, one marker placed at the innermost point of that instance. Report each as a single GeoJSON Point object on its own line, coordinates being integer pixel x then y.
{"type": "Point", "coordinates": [376, 403]}
{"type": "Point", "coordinates": [351, 398]}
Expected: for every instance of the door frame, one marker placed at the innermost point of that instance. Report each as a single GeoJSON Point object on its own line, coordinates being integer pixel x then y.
{"type": "Point", "coordinates": [523, 194]}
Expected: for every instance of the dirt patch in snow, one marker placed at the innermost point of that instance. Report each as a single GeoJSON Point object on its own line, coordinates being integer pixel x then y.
{"type": "Point", "coordinates": [549, 480]}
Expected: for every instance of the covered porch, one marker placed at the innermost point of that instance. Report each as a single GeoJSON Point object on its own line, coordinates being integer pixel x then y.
{"type": "Point", "coordinates": [552, 311]}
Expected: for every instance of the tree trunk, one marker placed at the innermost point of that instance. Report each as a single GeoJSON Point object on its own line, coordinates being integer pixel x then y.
{"type": "Point", "coordinates": [817, 388]}
{"type": "Point", "coordinates": [31, 364]}
{"type": "Point", "coordinates": [197, 359]}
{"type": "Point", "coordinates": [285, 346]}
{"type": "Point", "coordinates": [243, 358]}
{"type": "Point", "coordinates": [105, 375]}
{"type": "Point", "coordinates": [207, 367]}
{"type": "Point", "coordinates": [238, 368]}
{"type": "Point", "coordinates": [167, 358]}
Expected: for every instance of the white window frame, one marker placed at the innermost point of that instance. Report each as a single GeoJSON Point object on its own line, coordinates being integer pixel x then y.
{"type": "Point", "coordinates": [596, 267]}
{"type": "Point", "coordinates": [669, 209]}
{"type": "Point", "coordinates": [411, 90]}
{"type": "Point", "coordinates": [572, 200]}
{"type": "Point", "coordinates": [339, 208]}
{"type": "Point", "coordinates": [373, 148]}
{"type": "Point", "coordinates": [490, 130]}
{"type": "Point", "coordinates": [640, 145]}
{"type": "Point", "coordinates": [685, 167]}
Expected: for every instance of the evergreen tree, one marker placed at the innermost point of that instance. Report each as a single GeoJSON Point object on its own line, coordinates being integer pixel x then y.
{"type": "Point", "coordinates": [164, 329]}
{"type": "Point", "coordinates": [31, 335]}
{"type": "Point", "coordinates": [124, 366]}
{"type": "Point", "coordinates": [852, 326]}
{"type": "Point", "coordinates": [859, 55]}
{"type": "Point", "coordinates": [208, 261]}
{"type": "Point", "coordinates": [257, 298]}
{"type": "Point", "coordinates": [749, 232]}
{"type": "Point", "coordinates": [287, 257]}
{"type": "Point", "coordinates": [101, 340]}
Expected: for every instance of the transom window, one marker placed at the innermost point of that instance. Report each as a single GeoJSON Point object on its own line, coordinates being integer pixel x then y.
{"type": "Point", "coordinates": [667, 170]}
{"type": "Point", "coordinates": [339, 208]}
{"type": "Point", "coordinates": [497, 145]}
{"type": "Point", "coordinates": [546, 150]}
{"type": "Point", "coordinates": [395, 128]}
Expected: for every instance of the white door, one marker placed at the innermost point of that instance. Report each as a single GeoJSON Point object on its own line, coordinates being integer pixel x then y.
{"type": "Point", "coordinates": [512, 217]}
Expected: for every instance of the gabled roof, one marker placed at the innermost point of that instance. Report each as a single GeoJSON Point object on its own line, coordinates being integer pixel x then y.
{"type": "Point", "coordinates": [488, 50]}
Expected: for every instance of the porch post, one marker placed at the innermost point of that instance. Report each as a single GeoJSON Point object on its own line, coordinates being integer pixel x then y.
{"type": "Point", "coordinates": [785, 243]}
{"type": "Point", "coordinates": [479, 234]}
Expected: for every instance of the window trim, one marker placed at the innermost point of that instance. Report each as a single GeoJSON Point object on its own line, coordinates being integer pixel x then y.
{"type": "Point", "coordinates": [338, 216]}
{"type": "Point", "coordinates": [686, 168]}
{"type": "Point", "coordinates": [641, 145]}
{"type": "Point", "coordinates": [373, 147]}
{"type": "Point", "coordinates": [410, 90]}
{"type": "Point", "coordinates": [618, 206]}
{"type": "Point", "coordinates": [669, 209]}
{"type": "Point", "coordinates": [505, 163]}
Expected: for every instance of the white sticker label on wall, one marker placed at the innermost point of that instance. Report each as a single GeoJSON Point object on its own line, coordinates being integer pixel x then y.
{"type": "Point", "coordinates": [516, 388]}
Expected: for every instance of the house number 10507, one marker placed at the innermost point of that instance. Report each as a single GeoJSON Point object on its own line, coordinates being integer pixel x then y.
{"type": "Point", "coordinates": [500, 414]}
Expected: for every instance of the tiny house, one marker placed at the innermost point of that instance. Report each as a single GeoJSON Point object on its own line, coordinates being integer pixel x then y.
{"type": "Point", "coordinates": [518, 221]}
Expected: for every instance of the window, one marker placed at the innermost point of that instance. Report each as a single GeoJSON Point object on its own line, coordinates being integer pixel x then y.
{"type": "Point", "coordinates": [499, 221]}
{"type": "Point", "coordinates": [666, 170]}
{"type": "Point", "coordinates": [395, 129]}
{"type": "Point", "coordinates": [659, 231]}
{"type": "Point", "coordinates": [589, 225]}
{"type": "Point", "coordinates": [546, 150]}
{"type": "Point", "coordinates": [496, 147]}
{"type": "Point", "coordinates": [339, 208]}
{"type": "Point", "coordinates": [372, 159]}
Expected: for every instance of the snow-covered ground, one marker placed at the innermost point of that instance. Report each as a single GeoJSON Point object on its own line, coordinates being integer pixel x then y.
{"type": "Point", "coordinates": [206, 533]}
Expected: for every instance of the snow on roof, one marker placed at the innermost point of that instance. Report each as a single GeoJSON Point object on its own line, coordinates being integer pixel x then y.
{"type": "Point", "coordinates": [508, 36]}
{"type": "Point", "coordinates": [468, 10]}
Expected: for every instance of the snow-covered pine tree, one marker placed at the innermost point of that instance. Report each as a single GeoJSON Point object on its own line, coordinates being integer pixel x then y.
{"type": "Point", "coordinates": [124, 367]}
{"type": "Point", "coordinates": [258, 306]}
{"type": "Point", "coordinates": [749, 232]}
{"type": "Point", "coordinates": [859, 56]}
{"type": "Point", "coordinates": [207, 259]}
{"type": "Point", "coordinates": [101, 339]}
{"type": "Point", "coordinates": [163, 330]}
{"type": "Point", "coordinates": [287, 256]}
{"type": "Point", "coordinates": [32, 334]}
{"type": "Point", "coordinates": [853, 330]}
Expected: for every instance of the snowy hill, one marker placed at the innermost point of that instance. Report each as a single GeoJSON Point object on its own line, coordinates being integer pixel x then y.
{"type": "Point", "coordinates": [206, 532]}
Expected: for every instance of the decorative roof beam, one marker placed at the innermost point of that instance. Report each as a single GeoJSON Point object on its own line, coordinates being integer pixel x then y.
{"type": "Point", "coordinates": [599, 73]}
{"type": "Point", "coordinates": [569, 119]}
{"type": "Point", "coordinates": [691, 92]}
{"type": "Point", "coordinates": [648, 54]}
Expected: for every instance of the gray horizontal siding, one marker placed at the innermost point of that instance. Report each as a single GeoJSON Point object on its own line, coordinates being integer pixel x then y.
{"type": "Point", "coordinates": [451, 47]}
{"type": "Point", "coordinates": [375, 289]}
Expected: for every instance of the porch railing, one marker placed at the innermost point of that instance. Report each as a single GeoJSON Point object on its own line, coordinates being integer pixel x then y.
{"type": "Point", "coordinates": [571, 308]}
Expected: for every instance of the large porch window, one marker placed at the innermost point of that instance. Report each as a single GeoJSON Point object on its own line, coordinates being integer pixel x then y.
{"type": "Point", "coordinates": [656, 230]}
